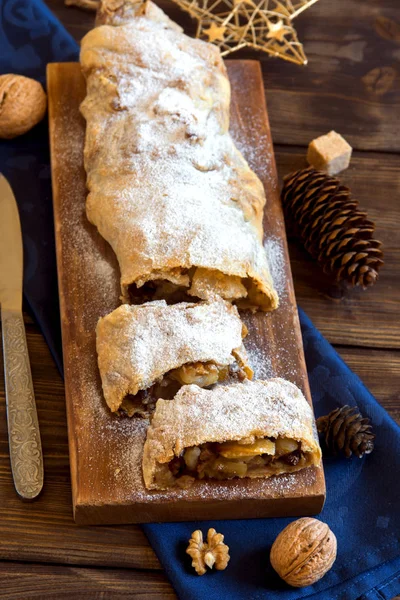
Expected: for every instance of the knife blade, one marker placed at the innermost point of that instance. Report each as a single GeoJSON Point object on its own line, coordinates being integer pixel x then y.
{"type": "Point", "coordinates": [23, 427]}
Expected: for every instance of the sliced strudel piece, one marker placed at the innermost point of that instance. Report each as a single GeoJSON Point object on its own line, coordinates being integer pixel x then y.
{"type": "Point", "coordinates": [150, 351]}
{"type": "Point", "coordinates": [168, 189]}
{"type": "Point", "coordinates": [249, 429]}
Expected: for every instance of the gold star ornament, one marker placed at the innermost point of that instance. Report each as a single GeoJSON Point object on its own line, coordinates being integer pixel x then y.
{"type": "Point", "coordinates": [264, 25]}
{"type": "Point", "coordinates": [215, 33]}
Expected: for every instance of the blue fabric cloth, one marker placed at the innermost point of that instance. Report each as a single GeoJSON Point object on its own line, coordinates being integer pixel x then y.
{"type": "Point", "coordinates": [30, 37]}
{"type": "Point", "coordinates": [362, 506]}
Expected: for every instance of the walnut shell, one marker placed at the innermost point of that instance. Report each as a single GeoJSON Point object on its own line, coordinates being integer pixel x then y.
{"type": "Point", "coordinates": [303, 552]}
{"type": "Point", "coordinates": [22, 105]}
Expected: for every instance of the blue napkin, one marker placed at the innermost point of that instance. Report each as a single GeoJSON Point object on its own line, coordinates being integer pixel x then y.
{"type": "Point", "coordinates": [30, 37]}
{"type": "Point", "coordinates": [362, 505]}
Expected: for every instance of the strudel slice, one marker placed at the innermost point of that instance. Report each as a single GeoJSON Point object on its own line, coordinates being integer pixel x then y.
{"type": "Point", "coordinates": [150, 351]}
{"type": "Point", "coordinates": [249, 429]}
{"type": "Point", "coordinates": [168, 189]}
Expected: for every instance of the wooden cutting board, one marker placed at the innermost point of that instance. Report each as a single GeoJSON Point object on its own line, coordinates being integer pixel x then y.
{"type": "Point", "coordinates": [105, 450]}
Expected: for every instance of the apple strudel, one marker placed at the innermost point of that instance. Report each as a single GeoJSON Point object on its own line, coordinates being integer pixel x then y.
{"type": "Point", "coordinates": [250, 429]}
{"type": "Point", "coordinates": [150, 351]}
{"type": "Point", "coordinates": [168, 189]}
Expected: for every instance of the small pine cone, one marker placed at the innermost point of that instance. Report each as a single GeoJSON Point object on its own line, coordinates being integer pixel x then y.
{"type": "Point", "coordinates": [323, 214]}
{"type": "Point", "coordinates": [345, 431]}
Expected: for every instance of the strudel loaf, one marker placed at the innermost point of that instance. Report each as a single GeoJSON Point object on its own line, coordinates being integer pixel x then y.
{"type": "Point", "coordinates": [168, 189]}
{"type": "Point", "coordinates": [250, 429]}
{"type": "Point", "coordinates": [150, 351]}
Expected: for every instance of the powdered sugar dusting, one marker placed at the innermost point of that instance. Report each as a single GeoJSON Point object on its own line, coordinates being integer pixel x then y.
{"type": "Point", "coordinates": [234, 411]}
{"type": "Point", "coordinates": [167, 185]}
{"type": "Point", "coordinates": [276, 260]}
{"type": "Point", "coordinates": [254, 152]}
{"type": "Point", "coordinates": [138, 344]}
{"type": "Point", "coordinates": [89, 260]}
{"type": "Point", "coordinates": [259, 360]}
{"type": "Point", "coordinates": [251, 134]}
{"type": "Point", "coordinates": [108, 449]}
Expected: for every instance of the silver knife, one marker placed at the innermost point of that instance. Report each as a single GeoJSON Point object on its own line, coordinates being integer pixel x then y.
{"type": "Point", "coordinates": [23, 428]}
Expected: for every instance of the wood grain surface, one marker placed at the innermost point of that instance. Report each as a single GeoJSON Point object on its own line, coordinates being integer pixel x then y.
{"type": "Point", "coordinates": [106, 450]}
{"type": "Point", "coordinates": [333, 34]}
{"type": "Point", "coordinates": [25, 582]}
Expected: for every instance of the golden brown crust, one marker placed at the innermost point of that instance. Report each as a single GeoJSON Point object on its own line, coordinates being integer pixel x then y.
{"type": "Point", "coordinates": [245, 411]}
{"type": "Point", "coordinates": [168, 188]}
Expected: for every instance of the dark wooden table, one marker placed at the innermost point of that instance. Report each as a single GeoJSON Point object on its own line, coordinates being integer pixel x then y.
{"type": "Point", "coordinates": [352, 85]}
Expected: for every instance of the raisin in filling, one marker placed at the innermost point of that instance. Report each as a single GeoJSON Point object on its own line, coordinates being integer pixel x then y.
{"type": "Point", "coordinates": [158, 290]}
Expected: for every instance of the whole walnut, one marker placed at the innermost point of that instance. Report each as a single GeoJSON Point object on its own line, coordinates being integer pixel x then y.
{"type": "Point", "coordinates": [22, 105]}
{"type": "Point", "coordinates": [303, 552]}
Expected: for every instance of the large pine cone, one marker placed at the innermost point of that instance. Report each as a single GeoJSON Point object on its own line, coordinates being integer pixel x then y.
{"type": "Point", "coordinates": [323, 214]}
{"type": "Point", "coordinates": [345, 431]}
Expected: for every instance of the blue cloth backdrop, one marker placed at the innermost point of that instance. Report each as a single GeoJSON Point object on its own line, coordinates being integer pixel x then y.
{"type": "Point", "coordinates": [362, 506]}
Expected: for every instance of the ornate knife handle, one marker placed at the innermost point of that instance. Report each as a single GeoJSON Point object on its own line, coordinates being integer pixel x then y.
{"type": "Point", "coordinates": [23, 426]}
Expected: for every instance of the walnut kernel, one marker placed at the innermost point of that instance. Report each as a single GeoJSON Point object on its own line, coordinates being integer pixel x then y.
{"type": "Point", "coordinates": [303, 552]}
{"type": "Point", "coordinates": [211, 553]}
{"type": "Point", "coordinates": [22, 105]}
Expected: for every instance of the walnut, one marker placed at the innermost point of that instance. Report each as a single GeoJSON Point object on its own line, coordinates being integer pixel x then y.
{"type": "Point", "coordinates": [22, 105]}
{"type": "Point", "coordinates": [303, 552]}
{"type": "Point", "coordinates": [214, 552]}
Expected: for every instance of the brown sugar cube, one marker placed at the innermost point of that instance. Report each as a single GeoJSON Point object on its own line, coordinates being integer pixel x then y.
{"type": "Point", "coordinates": [329, 153]}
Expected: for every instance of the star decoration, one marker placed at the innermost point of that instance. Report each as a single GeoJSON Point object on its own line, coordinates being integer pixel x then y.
{"type": "Point", "coordinates": [214, 32]}
{"type": "Point", "coordinates": [260, 24]}
{"type": "Point", "coordinates": [277, 31]}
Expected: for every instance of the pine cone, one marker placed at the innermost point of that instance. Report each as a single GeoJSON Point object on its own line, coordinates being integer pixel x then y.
{"type": "Point", "coordinates": [323, 214]}
{"type": "Point", "coordinates": [345, 431]}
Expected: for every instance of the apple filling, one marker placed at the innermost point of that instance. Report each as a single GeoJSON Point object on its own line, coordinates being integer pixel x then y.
{"type": "Point", "coordinates": [261, 458]}
{"type": "Point", "coordinates": [158, 289]}
{"type": "Point", "coordinates": [189, 285]}
{"type": "Point", "coordinates": [197, 373]}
